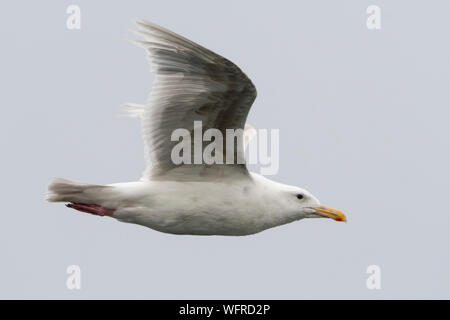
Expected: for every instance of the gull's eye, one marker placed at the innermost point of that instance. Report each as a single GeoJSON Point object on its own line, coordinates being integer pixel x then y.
{"type": "Point", "coordinates": [300, 196]}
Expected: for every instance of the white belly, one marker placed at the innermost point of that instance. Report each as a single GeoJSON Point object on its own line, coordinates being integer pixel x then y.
{"type": "Point", "coordinates": [200, 208]}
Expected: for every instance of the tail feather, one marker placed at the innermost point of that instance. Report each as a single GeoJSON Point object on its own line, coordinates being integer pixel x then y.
{"type": "Point", "coordinates": [62, 190]}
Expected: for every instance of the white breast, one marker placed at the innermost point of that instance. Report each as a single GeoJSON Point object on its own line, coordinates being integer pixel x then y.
{"type": "Point", "coordinates": [227, 207]}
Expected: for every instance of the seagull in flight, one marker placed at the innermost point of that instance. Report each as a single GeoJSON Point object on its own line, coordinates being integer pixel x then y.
{"type": "Point", "coordinates": [192, 84]}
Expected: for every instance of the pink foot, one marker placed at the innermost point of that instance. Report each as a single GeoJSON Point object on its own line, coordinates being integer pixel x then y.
{"type": "Point", "coordinates": [91, 208]}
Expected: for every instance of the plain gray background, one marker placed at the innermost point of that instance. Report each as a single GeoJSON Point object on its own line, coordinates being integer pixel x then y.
{"type": "Point", "coordinates": [363, 119]}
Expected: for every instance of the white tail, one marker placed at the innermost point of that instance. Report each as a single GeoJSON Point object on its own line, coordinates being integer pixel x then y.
{"type": "Point", "coordinates": [62, 190]}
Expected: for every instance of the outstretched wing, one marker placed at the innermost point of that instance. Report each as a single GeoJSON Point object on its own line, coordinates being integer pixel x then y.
{"type": "Point", "coordinates": [191, 84]}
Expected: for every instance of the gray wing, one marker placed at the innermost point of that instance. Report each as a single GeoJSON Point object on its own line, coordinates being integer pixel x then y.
{"type": "Point", "coordinates": [191, 84]}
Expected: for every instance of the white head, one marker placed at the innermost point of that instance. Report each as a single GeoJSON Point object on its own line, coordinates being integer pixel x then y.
{"type": "Point", "coordinates": [295, 203]}
{"type": "Point", "coordinates": [304, 205]}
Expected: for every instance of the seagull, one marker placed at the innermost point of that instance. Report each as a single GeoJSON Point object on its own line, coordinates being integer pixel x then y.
{"type": "Point", "coordinates": [192, 84]}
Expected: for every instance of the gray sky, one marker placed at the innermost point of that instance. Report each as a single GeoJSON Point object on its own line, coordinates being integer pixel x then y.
{"type": "Point", "coordinates": [363, 118]}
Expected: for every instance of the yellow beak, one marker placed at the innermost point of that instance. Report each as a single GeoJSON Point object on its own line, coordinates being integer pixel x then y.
{"type": "Point", "coordinates": [331, 213]}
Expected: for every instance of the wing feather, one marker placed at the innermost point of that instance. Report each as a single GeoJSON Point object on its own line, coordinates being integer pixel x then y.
{"type": "Point", "coordinates": [191, 84]}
